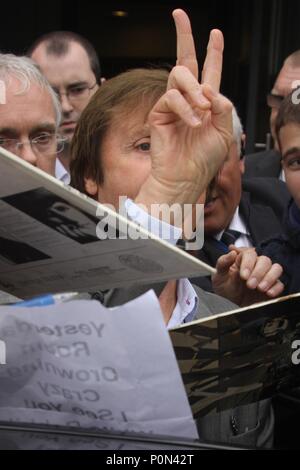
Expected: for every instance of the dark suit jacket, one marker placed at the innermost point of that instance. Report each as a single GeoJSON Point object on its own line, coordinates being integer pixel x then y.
{"type": "Point", "coordinates": [266, 163]}
{"type": "Point", "coordinates": [262, 207]}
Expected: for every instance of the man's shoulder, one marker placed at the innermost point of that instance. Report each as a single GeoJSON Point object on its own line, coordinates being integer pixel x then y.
{"type": "Point", "coordinates": [263, 199]}
{"type": "Point", "coordinates": [266, 190]}
{"type": "Point", "coordinates": [265, 163]}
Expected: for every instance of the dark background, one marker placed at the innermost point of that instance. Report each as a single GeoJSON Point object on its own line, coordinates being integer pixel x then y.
{"type": "Point", "coordinates": [259, 34]}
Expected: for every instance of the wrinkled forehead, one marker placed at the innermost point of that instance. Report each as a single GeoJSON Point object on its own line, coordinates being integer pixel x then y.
{"type": "Point", "coordinates": [15, 84]}
{"type": "Point", "coordinates": [28, 109]}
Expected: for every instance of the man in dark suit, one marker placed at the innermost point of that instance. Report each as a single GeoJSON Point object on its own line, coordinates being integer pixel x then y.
{"type": "Point", "coordinates": [264, 164]}
{"type": "Point", "coordinates": [239, 211]}
{"type": "Point", "coordinates": [268, 163]}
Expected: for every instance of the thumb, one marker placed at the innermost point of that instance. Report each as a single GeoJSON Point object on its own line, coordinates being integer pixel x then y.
{"type": "Point", "coordinates": [225, 262]}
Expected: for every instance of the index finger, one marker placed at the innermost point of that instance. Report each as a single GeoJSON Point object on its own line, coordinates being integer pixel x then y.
{"type": "Point", "coordinates": [225, 262]}
{"type": "Point", "coordinates": [212, 68]}
{"type": "Point", "coordinates": [186, 52]}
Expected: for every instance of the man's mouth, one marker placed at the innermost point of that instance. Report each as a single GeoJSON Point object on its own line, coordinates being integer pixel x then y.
{"type": "Point", "coordinates": [68, 124]}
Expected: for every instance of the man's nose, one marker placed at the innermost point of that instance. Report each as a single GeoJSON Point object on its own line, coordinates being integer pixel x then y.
{"type": "Point", "coordinates": [26, 153]}
{"type": "Point", "coordinates": [66, 106]}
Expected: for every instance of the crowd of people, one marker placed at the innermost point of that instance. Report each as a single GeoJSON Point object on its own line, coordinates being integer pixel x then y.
{"type": "Point", "coordinates": [166, 137]}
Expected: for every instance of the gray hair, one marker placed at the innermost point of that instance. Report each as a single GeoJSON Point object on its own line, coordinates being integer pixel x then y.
{"type": "Point", "coordinates": [237, 129]}
{"type": "Point", "coordinates": [26, 71]}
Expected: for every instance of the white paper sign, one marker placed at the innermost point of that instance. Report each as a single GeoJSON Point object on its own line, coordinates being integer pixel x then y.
{"type": "Point", "coordinates": [80, 364]}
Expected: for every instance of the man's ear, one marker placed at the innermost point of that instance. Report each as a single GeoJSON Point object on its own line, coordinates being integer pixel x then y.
{"type": "Point", "coordinates": [243, 140]}
{"type": "Point", "coordinates": [242, 165]}
{"type": "Point", "coordinates": [91, 187]}
{"type": "Point", "coordinates": [242, 156]}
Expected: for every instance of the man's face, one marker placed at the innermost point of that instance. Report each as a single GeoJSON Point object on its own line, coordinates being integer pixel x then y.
{"type": "Point", "coordinates": [125, 160]}
{"type": "Point", "coordinates": [27, 116]}
{"type": "Point", "coordinates": [224, 194]}
{"type": "Point", "coordinates": [289, 137]}
{"type": "Point", "coordinates": [71, 76]}
{"type": "Point", "coordinates": [283, 87]}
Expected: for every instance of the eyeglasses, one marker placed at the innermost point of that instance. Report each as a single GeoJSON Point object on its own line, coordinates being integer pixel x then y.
{"type": "Point", "coordinates": [274, 101]}
{"type": "Point", "coordinates": [76, 93]}
{"type": "Point", "coordinates": [45, 144]}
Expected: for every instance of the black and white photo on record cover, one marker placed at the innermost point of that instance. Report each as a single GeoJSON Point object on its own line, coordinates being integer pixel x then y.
{"type": "Point", "coordinates": [17, 252]}
{"type": "Point", "coordinates": [56, 213]}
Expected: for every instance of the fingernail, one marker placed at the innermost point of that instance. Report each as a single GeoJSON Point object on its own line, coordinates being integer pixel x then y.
{"type": "Point", "coordinates": [196, 120]}
{"type": "Point", "coordinates": [246, 273]}
{"type": "Point", "coordinates": [202, 101]}
{"type": "Point", "coordinates": [263, 286]}
{"type": "Point", "coordinates": [252, 283]}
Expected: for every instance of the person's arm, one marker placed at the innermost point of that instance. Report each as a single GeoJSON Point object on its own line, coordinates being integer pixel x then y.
{"type": "Point", "coordinates": [190, 125]}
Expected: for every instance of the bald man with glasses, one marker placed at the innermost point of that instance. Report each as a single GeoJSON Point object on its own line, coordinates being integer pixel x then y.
{"type": "Point", "coordinates": [71, 65]}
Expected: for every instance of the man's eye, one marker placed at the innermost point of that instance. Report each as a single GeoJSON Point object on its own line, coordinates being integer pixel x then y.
{"type": "Point", "coordinates": [43, 139]}
{"type": "Point", "coordinates": [7, 142]}
{"type": "Point", "coordinates": [144, 146]}
{"type": "Point", "coordinates": [294, 163]}
{"type": "Point", "coordinates": [61, 208]}
{"type": "Point", "coordinates": [77, 90]}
